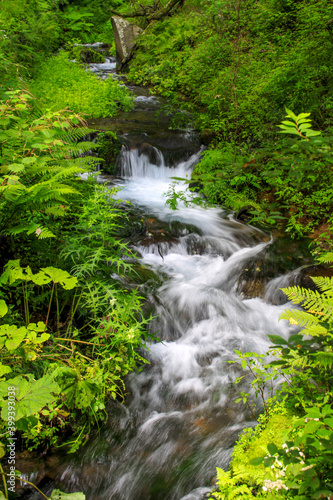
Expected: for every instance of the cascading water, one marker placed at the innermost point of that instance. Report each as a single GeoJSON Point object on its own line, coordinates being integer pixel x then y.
{"type": "Point", "coordinates": [180, 421]}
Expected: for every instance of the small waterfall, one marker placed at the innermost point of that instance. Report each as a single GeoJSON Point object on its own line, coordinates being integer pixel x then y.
{"type": "Point", "coordinates": [135, 163]}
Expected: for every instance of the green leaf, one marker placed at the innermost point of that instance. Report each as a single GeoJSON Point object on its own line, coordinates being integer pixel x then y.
{"type": "Point", "coordinates": [3, 308]}
{"type": "Point", "coordinates": [32, 396]}
{"type": "Point", "coordinates": [41, 278]}
{"type": "Point", "coordinates": [15, 336]}
{"type": "Point", "coordinates": [304, 127]}
{"type": "Point", "coordinates": [290, 124]}
{"type": "Point", "coordinates": [277, 339]}
{"type": "Point", "coordinates": [302, 115]}
{"type": "Point", "coordinates": [285, 127]}
{"type": "Point", "coordinates": [289, 131]}
{"type": "Point", "coordinates": [59, 495]}
{"type": "Point", "coordinates": [257, 461]}
{"type": "Point", "coordinates": [304, 120]}
{"type": "Point", "coordinates": [313, 133]}
{"type": "Point", "coordinates": [4, 369]}
{"type": "Point", "coordinates": [329, 421]}
{"type": "Point", "coordinates": [59, 276]}
{"type": "Point", "coordinates": [272, 448]}
{"type": "Point", "coordinates": [269, 461]}
{"type": "Point", "coordinates": [311, 427]}
{"type": "Point", "coordinates": [291, 114]}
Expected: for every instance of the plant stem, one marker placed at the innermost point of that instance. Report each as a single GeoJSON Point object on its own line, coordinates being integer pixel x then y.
{"type": "Point", "coordinates": [57, 303]}
{"type": "Point", "coordinates": [4, 481]}
{"type": "Point", "coordinates": [24, 481]}
{"type": "Point", "coordinates": [79, 341]}
{"type": "Point", "coordinates": [48, 311]}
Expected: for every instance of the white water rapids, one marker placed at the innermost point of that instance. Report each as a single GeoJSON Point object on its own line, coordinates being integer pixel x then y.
{"type": "Point", "coordinates": [180, 422]}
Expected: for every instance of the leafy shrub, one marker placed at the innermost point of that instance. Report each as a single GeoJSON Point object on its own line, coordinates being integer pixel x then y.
{"type": "Point", "coordinates": [36, 169]}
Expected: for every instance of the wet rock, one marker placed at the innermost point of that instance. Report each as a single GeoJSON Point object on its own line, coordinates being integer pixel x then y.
{"type": "Point", "coordinates": [244, 214]}
{"type": "Point", "coordinates": [207, 136]}
{"type": "Point", "coordinates": [89, 56]}
{"type": "Point", "coordinates": [151, 152]}
{"type": "Point", "coordinates": [273, 269]}
{"type": "Point", "coordinates": [124, 34]}
{"type": "Point", "coordinates": [253, 288]}
{"type": "Point", "coordinates": [303, 276]}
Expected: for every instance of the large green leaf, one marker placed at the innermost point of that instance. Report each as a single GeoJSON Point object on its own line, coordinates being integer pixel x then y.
{"type": "Point", "coordinates": [3, 308]}
{"type": "Point", "coordinates": [4, 369]}
{"type": "Point", "coordinates": [32, 396]}
{"type": "Point", "coordinates": [60, 276]}
{"type": "Point", "coordinates": [15, 336]}
{"type": "Point", "coordinates": [59, 495]}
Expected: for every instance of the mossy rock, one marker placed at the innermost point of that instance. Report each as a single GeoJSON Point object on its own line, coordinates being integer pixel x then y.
{"type": "Point", "coordinates": [253, 444]}
{"type": "Point", "coordinates": [109, 147]}
{"type": "Point", "coordinates": [90, 56]}
{"type": "Point", "coordinates": [86, 55]}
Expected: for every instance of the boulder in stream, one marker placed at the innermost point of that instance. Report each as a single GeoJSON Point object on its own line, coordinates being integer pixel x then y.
{"type": "Point", "coordinates": [124, 34]}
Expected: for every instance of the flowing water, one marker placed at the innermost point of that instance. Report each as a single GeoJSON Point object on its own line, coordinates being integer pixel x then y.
{"type": "Point", "coordinates": [180, 421]}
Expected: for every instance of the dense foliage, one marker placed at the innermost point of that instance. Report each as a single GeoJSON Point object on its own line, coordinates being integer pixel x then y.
{"type": "Point", "coordinates": [286, 181]}
{"type": "Point", "coordinates": [296, 428]}
{"type": "Point", "coordinates": [242, 62]}
{"type": "Point", "coordinates": [71, 326]}
{"type": "Point", "coordinates": [61, 84]}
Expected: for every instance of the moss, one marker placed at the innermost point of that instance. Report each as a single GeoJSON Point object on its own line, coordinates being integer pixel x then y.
{"type": "Point", "coordinates": [109, 149]}
{"type": "Point", "coordinates": [253, 444]}
{"type": "Point", "coordinates": [86, 55]}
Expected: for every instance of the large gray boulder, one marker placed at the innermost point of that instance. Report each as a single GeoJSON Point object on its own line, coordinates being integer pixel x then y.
{"type": "Point", "coordinates": [124, 34]}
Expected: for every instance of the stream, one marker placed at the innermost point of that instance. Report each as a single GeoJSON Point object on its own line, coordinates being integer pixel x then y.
{"type": "Point", "coordinates": [213, 286]}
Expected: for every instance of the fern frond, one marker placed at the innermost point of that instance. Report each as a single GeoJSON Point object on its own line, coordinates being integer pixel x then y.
{"type": "Point", "coordinates": [324, 359]}
{"type": "Point", "coordinates": [325, 284]}
{"type": "Point", "coordinates": [298, 317]}
{"type": "Point", "coordinates": [327, 258]}
{"type": "Point", "coordinates": [45, 233]}
{"type": "Point", "coordinates": [302, 296]}
{"type": "Point", "coordinates": [315, 330]}
{"type": "Point", "coordinates": [68, 172]}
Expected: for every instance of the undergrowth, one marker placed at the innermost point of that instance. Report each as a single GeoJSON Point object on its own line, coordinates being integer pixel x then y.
{"type": "Point", "coordinates": [62, 84]}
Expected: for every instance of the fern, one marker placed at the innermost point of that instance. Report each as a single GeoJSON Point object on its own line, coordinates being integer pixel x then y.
{"type": "Point", "coordinates": [327, 258]}
{"type": "Point", "coordinates": [233, 486]}
{"type": "Point", "coordinates": [38, 170]}
{"type": "Point", "coordinates": [324, 284]}
{"type": "Point", "coordinates": [299, 317]}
